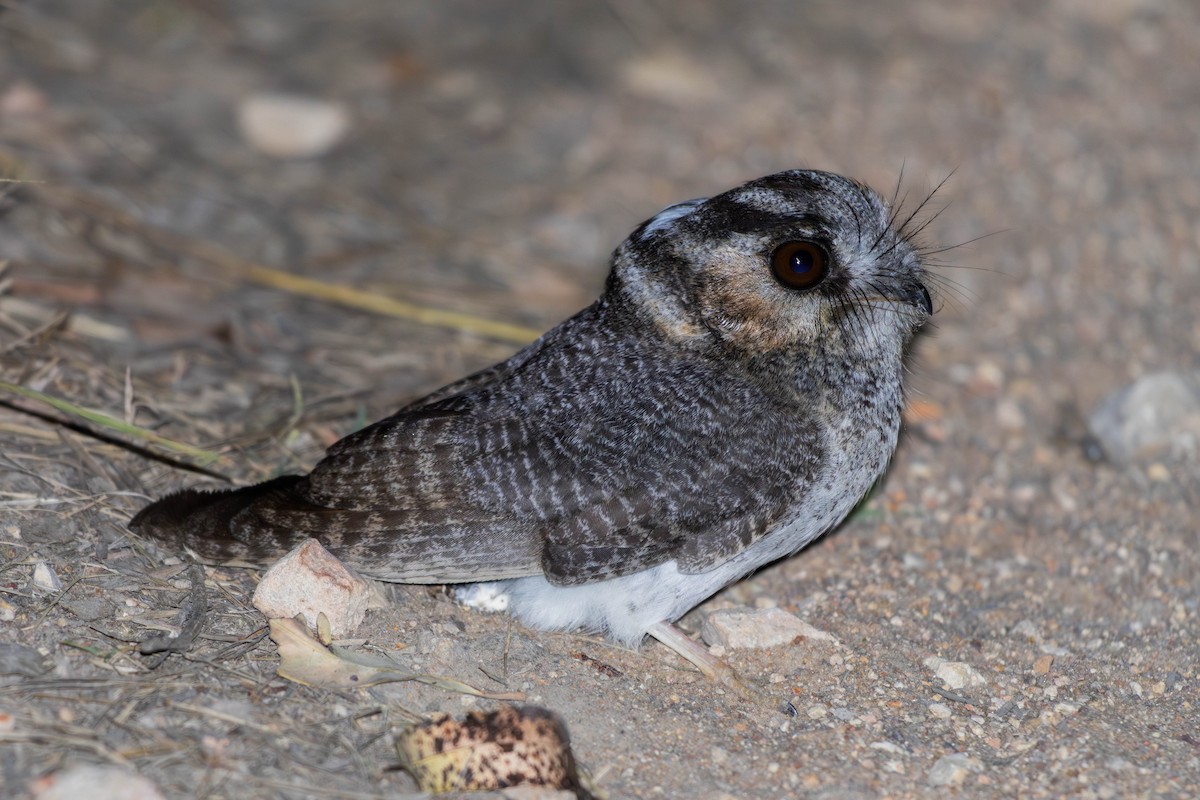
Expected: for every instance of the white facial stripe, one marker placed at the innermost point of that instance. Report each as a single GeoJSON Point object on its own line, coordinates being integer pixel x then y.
{"type": "Point", "coordinates": [669, 215]}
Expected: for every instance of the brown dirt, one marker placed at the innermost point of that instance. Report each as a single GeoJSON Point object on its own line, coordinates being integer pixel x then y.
{"type": "Point", "coordinates": [497, 154]}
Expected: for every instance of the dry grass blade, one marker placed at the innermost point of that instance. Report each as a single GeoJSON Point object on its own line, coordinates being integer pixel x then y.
{"type": "Point", "coordinates": [205, 457]}
{"type": "Point", "coordinates": [74, 200]}
{"type": "Point", "coordinates": [45, 735]}
{"type": "Point", "coordinates": [355, 298]}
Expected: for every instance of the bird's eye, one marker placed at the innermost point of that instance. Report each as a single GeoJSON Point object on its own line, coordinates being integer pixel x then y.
{"type": "Point", "coordinates": [800, 265]}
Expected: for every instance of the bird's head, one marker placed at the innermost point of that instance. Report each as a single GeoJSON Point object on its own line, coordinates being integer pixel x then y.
{"type": "Point", "coordinates": [796, 261]}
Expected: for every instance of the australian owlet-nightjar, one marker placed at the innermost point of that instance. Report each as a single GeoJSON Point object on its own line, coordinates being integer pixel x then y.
{"type": "Point", "coordinates": [730, 397]}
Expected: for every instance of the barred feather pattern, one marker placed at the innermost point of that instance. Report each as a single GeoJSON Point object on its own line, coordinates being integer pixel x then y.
{"type": "Point", "coordinates": [698, 420]}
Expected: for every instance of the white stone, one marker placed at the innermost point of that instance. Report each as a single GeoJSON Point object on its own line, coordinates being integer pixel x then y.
{"type": "Point", "coordinates": [955, 674]}
{"type": "Point", "coordinates": [309, 581]}
{"type": "Point", "coordinates": [670, 77]}
{"type": "Point", "coordinates": [1028, 630]}
{"type": "Point", "coordinates": [94, 783]}
{"type": "Point", "coordinates": [285, 126]}
{"type": "Point", "coordinates": [741, 628]}
{"type": "Point", "coordinates": [940, 710]}
{"type": "Point", "coordinates": [1158, 413]}
{"type": "Point", "coordinates": [531, 792]}
{"type": "Point", "coordinates": [45, 579]}
{"type": "Point", "coordinates": [952, 770]}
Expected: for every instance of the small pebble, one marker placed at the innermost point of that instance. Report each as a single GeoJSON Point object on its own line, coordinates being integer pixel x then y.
{"type": "Point", "coordinates": [1026, 629]}
{"type": "Point", "coordinates": [1157, 413]}
{"type": "Point", "coordinates": [940, 710]}
{"type": "Point", "coordinates": [45, 579]}
{"type": "Point", "coordinates": [1050, 717]}
{"type": "Point", "coordinates": [670, 77]}
{"type": "Point", "coordinates": [23, 99]}
{"type": "Point", "coordinates": [955, 674]}
{"type": "Point", "coordinates": [742, 628]}
{"type": "Point", "coordinates": [1009, 415]}
{"type": "Point", "coordinates": [988, 378]}
{"type": "Point", "coordinates": [1043, 664]}
{"type": "Point", "coordinates": [1158, 472]}
{"type": "Point", "coordinates": [94, 783]}
{"type": "Point", "coordinates": [20, 659]}
{"type": "Point", "coordinates": [952, 770]}
{"type": "Point", "coordinates": [285, 126]}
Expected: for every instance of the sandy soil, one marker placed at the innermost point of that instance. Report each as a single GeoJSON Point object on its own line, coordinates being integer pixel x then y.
{"type": "Point", "coordinates": [496, 154]}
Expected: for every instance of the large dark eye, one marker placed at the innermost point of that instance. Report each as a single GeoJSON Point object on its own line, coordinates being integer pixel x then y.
{"type": "Point", "coordinates": [800, 265]}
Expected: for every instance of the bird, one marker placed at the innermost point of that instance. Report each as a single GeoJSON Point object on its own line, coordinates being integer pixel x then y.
{"type": "Point", "coordinates": [731, 396]}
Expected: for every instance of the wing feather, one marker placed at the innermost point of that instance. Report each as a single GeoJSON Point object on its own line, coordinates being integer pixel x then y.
{"type": "Point", "coordinates": [603, 456]}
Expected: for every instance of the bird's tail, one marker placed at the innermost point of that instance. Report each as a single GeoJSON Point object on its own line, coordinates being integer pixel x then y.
{"type": "Point", "coordinates": [210, 523]}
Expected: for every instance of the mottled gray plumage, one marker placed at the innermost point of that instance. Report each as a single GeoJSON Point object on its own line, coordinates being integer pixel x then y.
{"type": "Point", "coordinates": [700, 419]}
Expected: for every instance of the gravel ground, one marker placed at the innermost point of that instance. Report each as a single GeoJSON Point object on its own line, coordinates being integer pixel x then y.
{"type": "Point", "coordinates": [494, 155]}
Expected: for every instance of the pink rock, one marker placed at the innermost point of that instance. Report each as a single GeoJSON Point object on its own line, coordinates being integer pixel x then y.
{"type": "Point", "coordinates": [94, 783]}
{"type": "Point", "coordinates": [23, 99]}
{"type": "Point", "coordinates": [310, 581]}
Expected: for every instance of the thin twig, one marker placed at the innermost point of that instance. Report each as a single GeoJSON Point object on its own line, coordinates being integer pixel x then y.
{"type": "Point", "coordinates": [193, 611]}
{"type": "Point", "coordinates": [112, 423]}
{"type": "Point", "coordinates": [952, 697]}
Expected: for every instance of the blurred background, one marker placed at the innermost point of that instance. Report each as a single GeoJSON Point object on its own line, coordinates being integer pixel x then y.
{"type": "Point", "coordinates": [487, 157]}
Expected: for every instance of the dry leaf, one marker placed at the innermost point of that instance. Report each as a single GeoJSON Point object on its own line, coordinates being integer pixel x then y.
{"type": "Point", "coordinates": [304, 660]}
